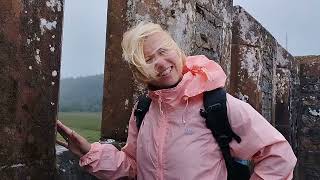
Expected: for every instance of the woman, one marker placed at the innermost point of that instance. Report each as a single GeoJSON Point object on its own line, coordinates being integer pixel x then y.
{"type": "Point", "coordinates": [173, 141]}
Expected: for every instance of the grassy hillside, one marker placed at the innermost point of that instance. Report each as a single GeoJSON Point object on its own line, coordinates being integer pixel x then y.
{"type": "Point", "coordinates": [86, 124]}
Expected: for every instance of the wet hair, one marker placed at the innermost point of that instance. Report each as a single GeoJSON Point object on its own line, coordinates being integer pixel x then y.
{"type": "Point", "coordinates": [132, 46]}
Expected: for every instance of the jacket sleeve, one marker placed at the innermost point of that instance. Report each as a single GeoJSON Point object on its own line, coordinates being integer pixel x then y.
{"type": "Point", "coordinates": [261, 143]}
{"type": "Point", "coordinates": [107, 162]}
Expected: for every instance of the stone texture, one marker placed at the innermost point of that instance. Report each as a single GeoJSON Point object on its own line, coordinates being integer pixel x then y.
{"type": "Point", "coordinates": [295, 101]}
{"type": "Point", "coordinates": [119, 84]}
{"type": "Point", "coordinates": [308, 130]}
{"type": "Point", "coordinates": [254, 52]}
{"type": "Point", "coordinates": [308, 166]}
{"type": "Point", "coordinates": [30, 48]}
{"type": "Point", "coordinates": [265, 75]}
{"type": "Point", "coordinates": [68, 166]}
{"type": "Point", "coordinates": [283, 85]}
{"type": "Point", "coordinates": [282, 108]}
{"type": "Point", "coordinates": [199, 27]}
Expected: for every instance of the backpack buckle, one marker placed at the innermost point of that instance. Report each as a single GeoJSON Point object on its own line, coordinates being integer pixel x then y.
{"type": "Point", "coordinates": [203, 113]}
{"type": "Point", "coordinates": [137, 112]}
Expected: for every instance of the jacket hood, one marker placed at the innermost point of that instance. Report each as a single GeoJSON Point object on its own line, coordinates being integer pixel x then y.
{"type": "Point", "coordinates": [200, 74]}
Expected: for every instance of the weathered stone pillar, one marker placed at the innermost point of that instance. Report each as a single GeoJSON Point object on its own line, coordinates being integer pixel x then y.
{"type": "Point", "coordinates": [118, 82]}
{"type": "Point", "coordinates": [295, 101]}
{"type": "Point", "coordinates": [309, 124]}
{"type": "Point", "coordinates": [30, 48]}
{"type": "Point", "coordinates": [199, 27]}
{"type": "Point", "coordinates": [283, 85]}
{"type": "Point", "coordinates": [253, 59]}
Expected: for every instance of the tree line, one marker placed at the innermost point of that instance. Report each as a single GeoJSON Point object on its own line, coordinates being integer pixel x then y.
{"type": "Point", "coordinates": [81, 94]}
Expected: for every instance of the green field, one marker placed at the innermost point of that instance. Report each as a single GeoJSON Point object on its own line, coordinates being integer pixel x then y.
{"type": "Point", "coordinates": [87, 124]}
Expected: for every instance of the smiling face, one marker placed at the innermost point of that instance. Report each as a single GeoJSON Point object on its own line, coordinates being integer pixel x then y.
{"type": "Point", "coordinates": [163, 59]}
{"type": "Point", "coordinates": [153, 56]}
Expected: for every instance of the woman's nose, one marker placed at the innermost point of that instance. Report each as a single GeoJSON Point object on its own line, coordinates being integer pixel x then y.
{"type": "Point", "coordinates": [159, 63]}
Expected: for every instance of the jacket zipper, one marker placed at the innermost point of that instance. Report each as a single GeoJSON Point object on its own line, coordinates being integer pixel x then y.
{"type": "Point", "coordinates": [163, 127]}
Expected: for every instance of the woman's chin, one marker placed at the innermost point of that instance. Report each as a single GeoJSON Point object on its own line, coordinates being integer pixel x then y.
{"type": "Point", "coordinates": [165, 83]}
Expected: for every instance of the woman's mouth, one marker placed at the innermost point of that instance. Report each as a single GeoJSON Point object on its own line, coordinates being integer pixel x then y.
{"type": "Point", "coordinates": [166, 72]}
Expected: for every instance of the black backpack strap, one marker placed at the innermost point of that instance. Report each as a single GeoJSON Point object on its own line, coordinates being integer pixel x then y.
{"type": "Point", "coordinates": [142, 109]}
{"type": "Point", "coordinates": [215, 113]}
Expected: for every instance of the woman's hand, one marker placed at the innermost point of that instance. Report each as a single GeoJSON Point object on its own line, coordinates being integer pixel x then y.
{"type": "Point", "coordinates": [75, 143]}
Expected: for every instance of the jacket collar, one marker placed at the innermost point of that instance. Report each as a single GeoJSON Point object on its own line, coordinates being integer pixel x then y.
{"type": "Point", "coordinates": [200, 74]}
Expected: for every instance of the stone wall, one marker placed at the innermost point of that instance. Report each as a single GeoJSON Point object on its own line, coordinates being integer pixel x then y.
{"type": "Point", "coordinates": [254, 52]}
{"type": "Point", "coordinates": [295, 102]}
{"type": "Point", "coordinates": [309, 122]}
{"type": "Point", "coordinates": [264, 74]}
{"type": "Point", "coordinates": [284, 83]}
{"type": "Point", "coordinates": [68, 166]}
{"type": "Point", "coordinates": [30, 50]}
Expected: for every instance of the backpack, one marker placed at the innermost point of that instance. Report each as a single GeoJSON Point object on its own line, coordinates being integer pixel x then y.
{"type": "Point", "coordinates": [216, 119]}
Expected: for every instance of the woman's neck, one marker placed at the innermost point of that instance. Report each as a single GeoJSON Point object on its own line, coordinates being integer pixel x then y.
{"type": "Point", "coordinates": [155, 88]}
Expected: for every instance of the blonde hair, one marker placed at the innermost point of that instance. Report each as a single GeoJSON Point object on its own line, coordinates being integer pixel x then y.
{"type": "Point", "coordinates": [132, 46]}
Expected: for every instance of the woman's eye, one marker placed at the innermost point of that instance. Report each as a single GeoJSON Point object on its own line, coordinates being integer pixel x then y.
{"type": "Point", "coordinates": [162, 51]}
{"type": "Point", "coordinates": [148, 60]}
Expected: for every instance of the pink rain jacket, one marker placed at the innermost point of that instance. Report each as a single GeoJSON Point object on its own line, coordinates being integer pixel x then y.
{"type": "Point", "coordinates": [174, 143]}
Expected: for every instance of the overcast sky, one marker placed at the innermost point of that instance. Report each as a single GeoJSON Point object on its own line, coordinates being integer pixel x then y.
{"type": "Point", "coordinates": [84, 36]}
{"type": "Point", "coordinates": [85, 27]}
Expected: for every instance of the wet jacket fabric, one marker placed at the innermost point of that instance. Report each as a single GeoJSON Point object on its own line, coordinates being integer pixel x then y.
{"type": "Point", "coordinates": [173, 142]}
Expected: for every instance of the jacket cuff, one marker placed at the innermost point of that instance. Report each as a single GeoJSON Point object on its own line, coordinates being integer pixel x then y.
{"type": "Point", "coordinates": [92, 155]}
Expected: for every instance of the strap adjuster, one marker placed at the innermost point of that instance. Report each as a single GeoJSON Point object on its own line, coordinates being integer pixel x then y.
{"type": "Point", "coordinates": [224, 140]}
{"type": "Point", "coordinates": [215, 107]}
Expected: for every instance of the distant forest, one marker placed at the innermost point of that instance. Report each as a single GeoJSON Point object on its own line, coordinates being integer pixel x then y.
{"type": "Point", "coordinates": [81, 94]}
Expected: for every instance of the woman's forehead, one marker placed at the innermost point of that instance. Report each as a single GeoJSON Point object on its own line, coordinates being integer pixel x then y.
{"type": "Point", "coordinates": [154, 42]}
